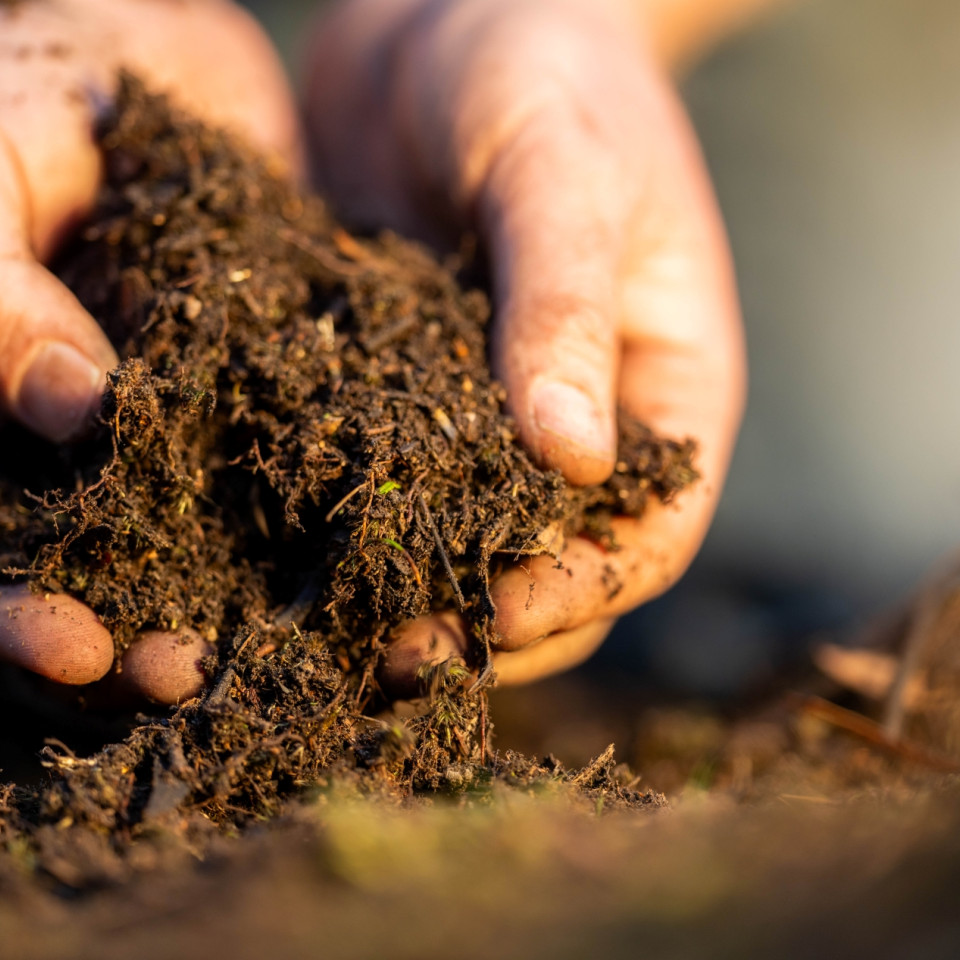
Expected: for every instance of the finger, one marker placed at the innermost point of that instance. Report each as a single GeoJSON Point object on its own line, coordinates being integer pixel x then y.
{"type": "Point", "coordinates": [53, 635]}
{"type": "Point", "coordinates": [686, 392]}
{"type": "Point", "coordinates": [439, 637]}
{"type": "Point", "coordinates": [218, 63]}
{"type": "Point", "coordinates": [355, 155]}
{"type": "Point", "coordinates": [211, 58]}
{"type": "Point", "coordinates": [554, 654]}
{"type": "Point", "coordinates": [432, 639]}
{"type": "Point", "coordinates": [541, 597]}
{"type": "Point", "coordinates": [683, 369]}
{"type": "Point", "coordinates": [551, 218]}
{"type": "Point", "coordinates": [53, 356]}
{"type": "Point", "coordinates": [683, 372]}
{"type": "Point", "coordinates": [164, 667]}
{"type": "Point", "coordinates": [529, 144]}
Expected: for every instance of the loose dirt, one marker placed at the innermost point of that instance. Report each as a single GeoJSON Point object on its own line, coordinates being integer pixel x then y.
{"type": "Point", "coordinates": [302, 448]}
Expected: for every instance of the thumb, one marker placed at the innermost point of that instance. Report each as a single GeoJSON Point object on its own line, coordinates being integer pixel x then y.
{"type": "Point", "coordinates": [556, 246]}
{"type": "Point", "coordinates": [53, 356]}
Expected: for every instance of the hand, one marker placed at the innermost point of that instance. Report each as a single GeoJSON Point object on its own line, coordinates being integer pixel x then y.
{"type": "Point", "coordinates": [58, 66]}
{"type": "Point", "coordinates": [548, 126]}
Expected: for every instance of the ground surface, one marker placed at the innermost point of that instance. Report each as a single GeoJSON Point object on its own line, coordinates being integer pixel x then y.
{"type": "Point", "coordinates": [798, 874]}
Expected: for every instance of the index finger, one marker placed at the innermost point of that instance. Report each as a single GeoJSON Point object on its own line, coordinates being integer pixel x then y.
{"type": "Point", "coordinates": [53, 635]}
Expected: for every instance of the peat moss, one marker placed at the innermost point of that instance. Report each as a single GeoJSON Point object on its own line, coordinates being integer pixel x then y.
{"type": "Point", "coordinates": [302, 447]}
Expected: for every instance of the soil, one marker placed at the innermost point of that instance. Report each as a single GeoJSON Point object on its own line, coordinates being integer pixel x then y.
{"type": "Point", "coordinates": [302, 448]}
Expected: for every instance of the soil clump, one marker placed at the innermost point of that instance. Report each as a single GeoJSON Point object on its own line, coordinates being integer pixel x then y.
{"type": "Point", "coordinates": [302, 448]}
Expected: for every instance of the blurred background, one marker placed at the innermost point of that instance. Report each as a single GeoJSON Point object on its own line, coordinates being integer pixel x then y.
{"type": "Point", "coordinates": [832, 128]}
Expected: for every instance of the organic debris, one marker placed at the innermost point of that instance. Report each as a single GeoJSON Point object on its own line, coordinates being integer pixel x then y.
{"type": "Point", "coordinates": [302, 448]}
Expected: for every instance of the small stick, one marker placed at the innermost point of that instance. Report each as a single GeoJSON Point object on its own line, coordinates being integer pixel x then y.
{"type": "Point", "coordinates": [406, 553]}
{"type": "Point", "coordinates": [923, 624]}
{"type": "Point", "coordinates": [366, 516]}
{"type": "Point", "coordinates": [486, 675]}
{"type": "Point", "coordinates": [339, 268]}
{"type": "Point", "coordinates": [874, 733]}
{"type": "Point", "coordinates": [296, 612]}
{"type": "Point", "coordinates": [483, 730]}
{"type": "Point", "coordinates": [222, 690]}
{"type": "Point", "coordinates": [594, 768]}
{"type": "Point", "coordinates": [451, 576]}
{"type": "Point", "coordinates": [344, 500]}
{"type": "Point", "coordinates": [395, 331]}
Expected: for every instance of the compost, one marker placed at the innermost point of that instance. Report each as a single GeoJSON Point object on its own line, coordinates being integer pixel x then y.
{"type": "Point", "coordinates": [302, 448]}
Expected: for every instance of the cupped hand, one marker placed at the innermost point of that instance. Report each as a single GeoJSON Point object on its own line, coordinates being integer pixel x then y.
{"type": "Point", "coordinates": [548, 126]}
{"type": "Point", "coordinates": [59, 65]}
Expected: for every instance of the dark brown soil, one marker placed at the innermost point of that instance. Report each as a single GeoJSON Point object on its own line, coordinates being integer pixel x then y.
{"type": "Point", "coordinates": [302, 448]}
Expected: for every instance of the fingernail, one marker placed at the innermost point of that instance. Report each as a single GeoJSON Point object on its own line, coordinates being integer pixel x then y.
{"type": "Point", "coordinates": [59, 391]}
{"type": "Point", "coordinates": [568, 413]}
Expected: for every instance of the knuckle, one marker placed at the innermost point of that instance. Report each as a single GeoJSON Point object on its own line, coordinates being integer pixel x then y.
{"type": "Point", "coordinates": [572, 321]}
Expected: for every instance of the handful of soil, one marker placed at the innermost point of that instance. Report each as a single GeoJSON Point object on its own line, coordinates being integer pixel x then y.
{"type": "Point", "coordinates": [303, 448]}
